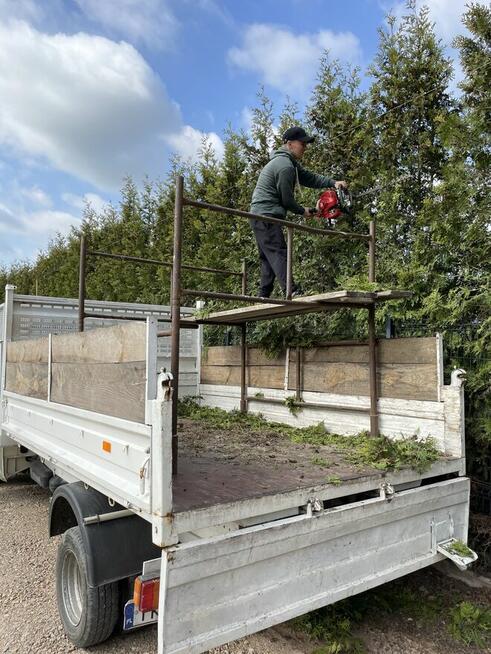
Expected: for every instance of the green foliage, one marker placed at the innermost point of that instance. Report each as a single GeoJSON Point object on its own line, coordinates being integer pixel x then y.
{"type": "Point", "coordinates": [334, 625]}
{"type": "Point", "coordinates": [360, 450]}
{"type": "Point", "coordinates": [292, 405]}
{"type": "Point", "coordinates": [471, 624]}
{"type": "Point", "coordinates": [460, 548]}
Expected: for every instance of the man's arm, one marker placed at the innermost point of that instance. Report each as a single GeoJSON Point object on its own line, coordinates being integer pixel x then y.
{"type": "Point", "coordinates": [313, 180]}
{"type": "Point", "coordinates": [285, 184]}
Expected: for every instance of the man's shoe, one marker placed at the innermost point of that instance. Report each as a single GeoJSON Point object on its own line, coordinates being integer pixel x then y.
{"type": "Point", "coordinates": [297, 292]}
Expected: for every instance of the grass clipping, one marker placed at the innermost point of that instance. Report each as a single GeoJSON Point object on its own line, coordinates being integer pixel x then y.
{"type": "Point", "coordinates": [360, 450]}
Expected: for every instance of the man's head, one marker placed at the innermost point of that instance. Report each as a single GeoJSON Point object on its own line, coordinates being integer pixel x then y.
{"type": "Point", "coordinates": [296, 140]}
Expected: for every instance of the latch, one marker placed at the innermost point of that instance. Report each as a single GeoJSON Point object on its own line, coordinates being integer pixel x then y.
{"type": "Point", "coordinates": [314, 505]}
{"type": "Point", "coordinates": [164, 385]}
{"type": "Point", "coordinates": [143, 474]}
{"type": "Point", "coordinates": [387, 491]}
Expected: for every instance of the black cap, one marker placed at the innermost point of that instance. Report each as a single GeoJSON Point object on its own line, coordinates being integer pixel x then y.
{"type": "Point", "coordinates": [297, 134]}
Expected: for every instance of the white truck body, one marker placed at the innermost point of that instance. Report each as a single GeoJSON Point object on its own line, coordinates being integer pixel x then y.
{"type": "Point", "coordinates": [232, 568]}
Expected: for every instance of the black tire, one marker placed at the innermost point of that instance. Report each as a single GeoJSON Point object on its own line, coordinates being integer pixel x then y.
{"type": "Point", "coordinates": [89, 615]}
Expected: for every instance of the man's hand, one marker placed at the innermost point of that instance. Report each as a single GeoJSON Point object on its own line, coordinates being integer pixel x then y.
{"type": "Point", "coordinates": [308, 212]}
{"type": "Point", "coordinates": [341, 184]}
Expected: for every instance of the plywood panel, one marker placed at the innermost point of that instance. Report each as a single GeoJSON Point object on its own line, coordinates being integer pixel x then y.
{"type": "Point", "coordinates": [113, 389]}
{"type": "Point", "coordinates": [230, 356]}
{"type": "Point", "coordinates": [397, 350]}
{"type": "Point", "coordinates": [32, 351]}
{"type": "Point", "coordinates": [30, 379]}
{"type": "Point", "coordinates": [410, 381]}
{"type": "Point", "coordinates": [118, 344]}
{"type": "Point", "coordinates": [257, 376]}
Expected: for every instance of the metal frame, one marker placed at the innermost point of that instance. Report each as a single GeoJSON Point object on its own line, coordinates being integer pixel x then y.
{"type": "Point", "coordinates": [181, 202]}
{"type": "Point", "coordinates": [177, 291]}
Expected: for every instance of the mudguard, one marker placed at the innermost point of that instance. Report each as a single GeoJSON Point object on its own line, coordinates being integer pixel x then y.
{"type": "Point", "coordinates": [115, 549]}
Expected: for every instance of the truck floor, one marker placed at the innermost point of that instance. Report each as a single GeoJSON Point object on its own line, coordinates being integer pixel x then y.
{"type": "Point", "coordinates": [226, 465]}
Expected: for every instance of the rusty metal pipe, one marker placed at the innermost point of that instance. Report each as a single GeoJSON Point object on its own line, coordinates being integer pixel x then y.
{"type": "Point", "coordinates": [168, 264]}
{"type": "Point", "coordinates": [372, 363]}
{"type": "Point", "coordinates": [244, 277]}
{"type": "Point", "coordinates": [298, 375]}
{"type": "Point", "coordinates": [244, 298]}
{"type": "Point", "coordinates": [81, 283]}
{"type": "Point", "coordinates": [371, 253]}
{"type": "Point", "coordinates": [277, 221]}
{"type": "Point", "coordinates": [289, 263]}
{"type": "Point", "coordinates": [243, 368]}
{"type": "Point", "coordinates": [176, 313]}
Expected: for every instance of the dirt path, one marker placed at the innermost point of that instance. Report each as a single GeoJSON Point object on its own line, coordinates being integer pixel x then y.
{"type": "Point", "coordinates": [29, 621]}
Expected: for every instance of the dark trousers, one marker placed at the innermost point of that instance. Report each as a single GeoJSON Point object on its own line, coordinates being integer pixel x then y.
{"type": "Point", "coordinates": [272, 254]}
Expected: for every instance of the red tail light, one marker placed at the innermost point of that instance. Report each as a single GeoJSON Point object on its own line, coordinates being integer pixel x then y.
{"type": "Point", "coordinates": [146, 594]}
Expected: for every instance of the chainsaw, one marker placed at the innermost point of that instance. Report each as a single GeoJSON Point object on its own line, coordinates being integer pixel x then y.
{"type": "Point", "coordinates": [331, 205]}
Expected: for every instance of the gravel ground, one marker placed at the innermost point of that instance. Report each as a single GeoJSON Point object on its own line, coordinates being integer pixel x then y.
{"type": "Point", "coordinates": [29, 621]}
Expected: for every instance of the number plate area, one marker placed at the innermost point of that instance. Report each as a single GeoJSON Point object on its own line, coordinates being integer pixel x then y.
{"type": "Point", "coordinates": [133, 618]}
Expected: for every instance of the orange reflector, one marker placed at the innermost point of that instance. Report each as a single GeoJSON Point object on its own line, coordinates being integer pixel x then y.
{"type": "Point", "coordinates": [106, 446]}
{"type": "Point", "coordinates": [137, 591]}
{"type": "Point", "coordinates": [146, 594]}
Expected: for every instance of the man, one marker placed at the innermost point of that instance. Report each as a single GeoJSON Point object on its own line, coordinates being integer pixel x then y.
{"type": "Point", "coordinates": [274, 196]}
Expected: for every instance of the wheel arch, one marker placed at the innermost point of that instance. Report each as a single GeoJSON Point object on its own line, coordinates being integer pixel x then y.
{"type": "Point", "coordinates": [115, 549]}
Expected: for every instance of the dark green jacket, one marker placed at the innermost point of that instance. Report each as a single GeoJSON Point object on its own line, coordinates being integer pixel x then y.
{"type": "Point", "coordinates": [274, 192]}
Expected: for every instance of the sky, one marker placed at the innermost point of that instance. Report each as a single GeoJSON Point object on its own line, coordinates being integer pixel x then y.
{"type": "Point", "coordinates": [94, 90]}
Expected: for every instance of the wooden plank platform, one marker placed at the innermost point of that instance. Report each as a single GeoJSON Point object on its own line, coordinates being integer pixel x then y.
{"type": "Point", "coordinates": [307, 304]}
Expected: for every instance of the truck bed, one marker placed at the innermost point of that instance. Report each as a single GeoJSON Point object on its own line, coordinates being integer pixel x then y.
{"type": "Point", "coordinates": [228, 465]}
{"type": "Point", "coordinates": [226, 470]}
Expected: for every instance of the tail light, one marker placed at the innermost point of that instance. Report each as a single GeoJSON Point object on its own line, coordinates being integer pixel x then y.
{"type": "Point", "coordinates": [146, 594]}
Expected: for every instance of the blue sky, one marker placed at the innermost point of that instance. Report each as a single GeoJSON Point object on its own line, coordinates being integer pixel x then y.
{"type": "Point", "coordinates": [95, 89]}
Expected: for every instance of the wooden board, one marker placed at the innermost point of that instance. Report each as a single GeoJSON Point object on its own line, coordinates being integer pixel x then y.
{"type": "Point", "coordinates": [311, 303]}
{"type": "Point", "coordinates": [257, 376]}
{"type": "Point", "coordinates": [408, 369]}
{"type": "Point", "coordinates": [31, 351]}
{"type": "Point", "coordinates": [392, 350]}
{"type": "Point", "coordinates": [118, 344]}
{"type": "Point", "coordinates": [408, 381]}
{"type": "Point", "coordinates": [30, 379]}
{"type": "Point", "coordinates": [113, 389]}
{"type": "Point", "coordinates": [230, 356]}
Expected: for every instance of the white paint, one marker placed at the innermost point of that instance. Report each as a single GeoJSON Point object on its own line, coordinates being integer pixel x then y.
{"type": "Point", "coordinates": [397, 418]}
{"type": "Point", "coordinates": [233, 585]}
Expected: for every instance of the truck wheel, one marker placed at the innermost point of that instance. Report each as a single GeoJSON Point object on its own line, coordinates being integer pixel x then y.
{"type": "Point", "coordinates": [89, 615]}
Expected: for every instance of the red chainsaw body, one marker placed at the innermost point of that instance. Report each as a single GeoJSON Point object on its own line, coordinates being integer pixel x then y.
{"type": "Point", "coordinates": [328, 205]}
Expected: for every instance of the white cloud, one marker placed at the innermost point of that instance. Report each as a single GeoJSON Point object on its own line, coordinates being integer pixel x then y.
{"type": "Point", "coordinates": [446, 14]}
{"type": "Point", "coordinates": [188, 142]}
{"type": "Point", "coordinates": [45, 223]}
{"type": "Point", "coordinates": [290, 61]}
{"type": "Point", "coordinates": [37, 196]}
{"type": "Point", "coordinates": [151, 22]}
{"type": "Point", "coordinates": [79, 201]}
{"type": "Point", "coordinates": [49, 222]}
{"type": "Point", "coordinates": [87, 105]}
